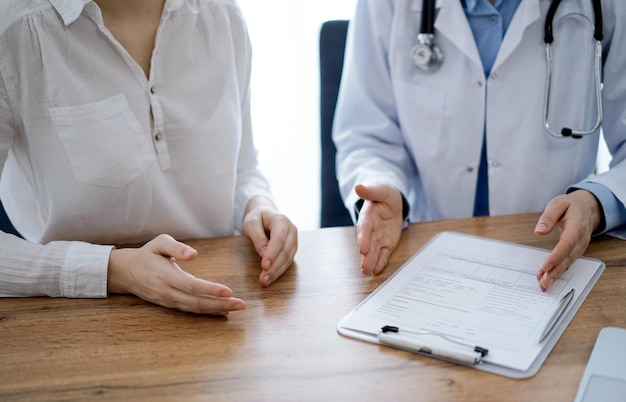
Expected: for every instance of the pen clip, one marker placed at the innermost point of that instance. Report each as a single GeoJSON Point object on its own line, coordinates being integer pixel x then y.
{"type": "Point", "coordinates": [414, 341]}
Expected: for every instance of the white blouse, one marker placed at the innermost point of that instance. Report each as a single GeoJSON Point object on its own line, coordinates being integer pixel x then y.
{"type": "Point", "coordinates": [95, 153]}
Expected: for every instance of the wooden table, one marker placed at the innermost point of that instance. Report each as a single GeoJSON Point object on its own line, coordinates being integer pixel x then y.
{"type": "Point", "coordinates": [284, 346]}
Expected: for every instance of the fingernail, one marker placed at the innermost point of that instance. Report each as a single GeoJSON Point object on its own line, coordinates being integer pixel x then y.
{"type": "Point", "coordinates": [239, 306]}
{"type": "Point", "coordinates": [541, 227]}
{"type": "Point", "coordinates": [187, 251]}
{"type": "Point", "coordinates": [547, 285]}
{"type": "Point", "coordinates": [267, 280]}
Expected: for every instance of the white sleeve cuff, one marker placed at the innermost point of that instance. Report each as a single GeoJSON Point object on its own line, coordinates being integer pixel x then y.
{"type": "Point", "coordinates": [84, 272]}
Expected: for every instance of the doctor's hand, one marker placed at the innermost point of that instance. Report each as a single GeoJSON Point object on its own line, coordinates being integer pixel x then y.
{"type": "Point", "coordinates": [274, 237]}
{"type": "Point", "coordinates": [379, 226]}
{"type": "Point", "coordinates": [576, 215]}
{"type": "Point", "coordinates": [151, 272]}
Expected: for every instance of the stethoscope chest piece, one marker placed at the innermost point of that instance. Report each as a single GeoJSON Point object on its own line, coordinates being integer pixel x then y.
{"type": "Point", "coordinates": [426, 55]}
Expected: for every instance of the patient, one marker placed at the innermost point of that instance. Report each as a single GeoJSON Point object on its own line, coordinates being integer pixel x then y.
{"type": "Point", "coordinates": [129, 122]}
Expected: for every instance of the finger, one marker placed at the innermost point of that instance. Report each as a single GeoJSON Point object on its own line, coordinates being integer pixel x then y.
{"type": "Point", "coordinates": [548, 276]}
{"type": "Point", "coordinates": [269, 276]}
{"type": "Point", "coordinates": [563, 249]}
{"type": "Point", "coordinates": [185, 282]}
{"type": "Point", "coordinates": [281, 262]}
{"type": "Point", "coordinates": [370, 258]}
{"type": "Point", "coordinates": [169, 286]}
{"type": "Point", "coordinates": [566, 251]}
{"type": "Point", "coordinates": [202, 304]}
{"type": "Point", "coordinates": [366, 246]}
{"type": "Point", "coordinates": [270, 272]}
{"type": "Point", "coordinates": [364, 232]}
{"type": "Point", "coordinates": [256, 231]}
{"type": "Point", "coordinates": [195, 295]}
{"type": "Point", "coordinates": [368, 263]}
{"type": "Point", "coordinates": [278, 251]}
{"type": "Point", "coordinates": [383, 259]}
{"type": "Point", "coordinates": [279, 228]}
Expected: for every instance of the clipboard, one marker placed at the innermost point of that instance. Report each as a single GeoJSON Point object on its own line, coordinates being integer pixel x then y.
{"type": "Point", "coordinates": [454, 296]}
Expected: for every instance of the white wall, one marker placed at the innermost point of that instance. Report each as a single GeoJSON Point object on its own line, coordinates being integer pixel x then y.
{"type": "Point", "coordinates": [285, 98]}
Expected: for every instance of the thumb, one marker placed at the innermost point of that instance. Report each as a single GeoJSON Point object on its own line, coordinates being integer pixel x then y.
{"type": "Point", "coordinates": [370, 193]}
{"type": "Point", "coordinates": [169, 247]}
{"type": "Point", "coordinates": [551, 216]}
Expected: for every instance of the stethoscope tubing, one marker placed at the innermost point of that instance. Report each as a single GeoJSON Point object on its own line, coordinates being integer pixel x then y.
{"type": "Point", "coordinates": [549, 39]}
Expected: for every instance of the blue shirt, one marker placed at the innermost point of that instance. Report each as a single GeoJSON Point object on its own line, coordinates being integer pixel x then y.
{"type": "Point", "coordinates": [489, 23]}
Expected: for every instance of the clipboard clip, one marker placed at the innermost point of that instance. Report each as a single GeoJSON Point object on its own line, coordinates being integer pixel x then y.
{"type": "Point", "coordinates": [417, 342]}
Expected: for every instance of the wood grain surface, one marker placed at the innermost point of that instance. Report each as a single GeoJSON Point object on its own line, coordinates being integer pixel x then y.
{"type": "Point", "coordinates": [284, 345]}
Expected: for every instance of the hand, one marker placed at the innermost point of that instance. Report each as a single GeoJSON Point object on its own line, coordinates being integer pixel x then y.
{"type": "Point", "coordinates": [576, 215]}
{"type": "Point", "coordinates": [274, 237]}
{"type": "Point", "coordinates": [151, 272]}
{"type": "Point", "coordinates": [379, 227]}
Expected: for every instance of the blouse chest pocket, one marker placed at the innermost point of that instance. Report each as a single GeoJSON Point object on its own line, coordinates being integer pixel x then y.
{"type": "Point", "coordinates": [104, 141]}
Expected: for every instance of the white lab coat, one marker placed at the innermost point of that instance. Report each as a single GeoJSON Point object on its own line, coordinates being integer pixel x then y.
{"type": "Point", "coordinates": [422, 133]}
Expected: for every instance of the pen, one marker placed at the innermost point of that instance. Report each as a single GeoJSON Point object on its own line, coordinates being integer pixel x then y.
{"type": "Point", "coordinates": [466, 355]}
{"type": "Point", "coordinates": [565, 301]}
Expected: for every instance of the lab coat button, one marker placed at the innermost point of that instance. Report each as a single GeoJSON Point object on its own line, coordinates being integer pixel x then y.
{"type": "Point", "coordinates": [495, 163]}
{"type": "Point", "coordinates": [470, 169]}
{"type": "Point", "coordinates": [493, 76]}
{"type": "Point", "coordinates": [480, 84]}
{"type": "Point", "coordinates": [152, 90]}
{"type": "Point", "coordinates": [158, 136]}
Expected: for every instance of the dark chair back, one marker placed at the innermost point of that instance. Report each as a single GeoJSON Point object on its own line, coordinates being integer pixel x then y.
{"type": "Point", "coordinates": [332, 46]}
{"type": "Point", "coordinates": [5, 223]}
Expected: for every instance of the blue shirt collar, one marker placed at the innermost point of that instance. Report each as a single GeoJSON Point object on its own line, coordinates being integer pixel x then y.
{"type": "Point", "coordinates": [472, 6]}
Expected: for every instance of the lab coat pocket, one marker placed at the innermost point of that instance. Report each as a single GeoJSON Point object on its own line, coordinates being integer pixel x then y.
{"type": "Point", "coordinates": [104, 141]}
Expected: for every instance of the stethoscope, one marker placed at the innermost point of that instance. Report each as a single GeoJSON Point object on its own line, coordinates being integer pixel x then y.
{"type": "Point", "coordinates": [597, 38]}
{"type": "Point", "coordinates": [428, 57]}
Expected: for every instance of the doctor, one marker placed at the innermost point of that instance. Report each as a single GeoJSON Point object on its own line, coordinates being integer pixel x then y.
{"type": "Point", "coordinates": [470, 136]}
